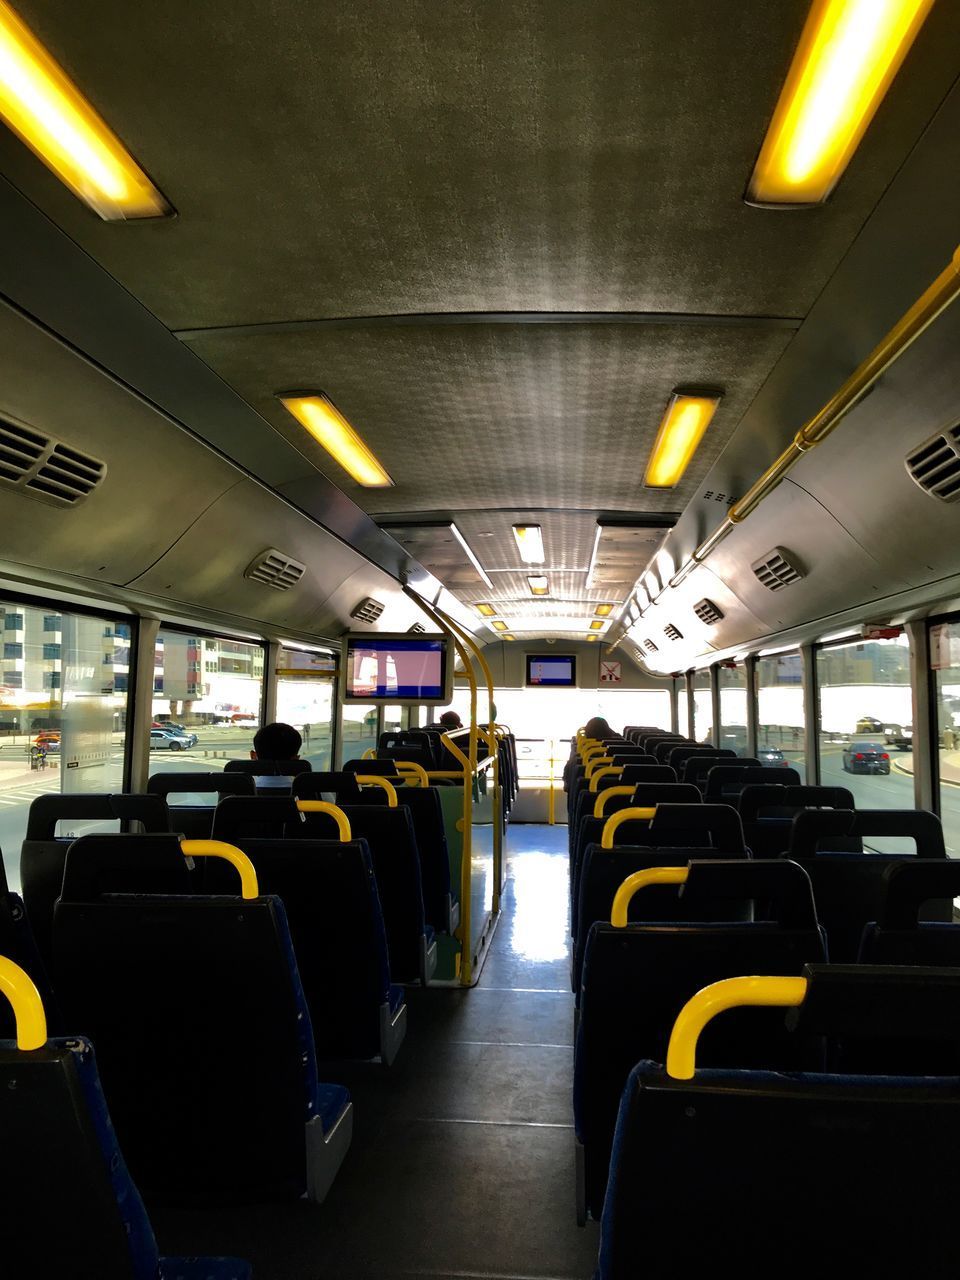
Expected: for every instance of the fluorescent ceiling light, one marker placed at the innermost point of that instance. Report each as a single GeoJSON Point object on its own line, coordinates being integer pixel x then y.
{"type": "Point", "coordinates": [506, 636]}
{"type": "Point", "coordinates": [603, 610]}
{"type": "Point", "coordinates": [468, 550]}
{"type": "Point", "coordinates": [593, 557]}
{"type": "Point", "coordinates": [498, 625]}
{"type": "Point", "coordinates": [593, 637]}
{"type": "Point", "coordinates": [529, 542]}
{"type": "Point", "coordinates": [333, 432]}
{"type": "Point", "coordinates": [686, 418]}
{"type": "Point", "coordinates": [597, 626]}
{"type": "Point", "coordinates": [486, 610]}
{"type": "Point", "coordinates": [539, 586]}
{"type": "Point", "coordinates": [848, 55]}
{"type": "Point", "coordinates": [49, 113]}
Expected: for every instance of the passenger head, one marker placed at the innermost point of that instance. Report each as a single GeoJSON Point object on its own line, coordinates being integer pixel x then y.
{"type": "Point", "coordinates": [450, 720]}
{"type": "Point", "coordinates": [276, 742]}
{"type": "Point", "coordinates": [598, 728]}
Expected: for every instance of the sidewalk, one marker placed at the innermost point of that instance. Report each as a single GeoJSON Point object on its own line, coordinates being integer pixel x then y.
{"type": "Point", "coordinates": [949, 766]}
{"type": "Point", "coordinates": [13, 773]}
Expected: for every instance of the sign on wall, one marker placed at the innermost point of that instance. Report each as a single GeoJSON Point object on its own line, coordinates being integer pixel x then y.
{"type": "Point", "coordinates": [610, 672]}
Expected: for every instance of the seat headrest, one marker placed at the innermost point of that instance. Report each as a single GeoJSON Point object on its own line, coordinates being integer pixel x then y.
{"type": "Point", "coordinates": [724, 778]}
{"type": "Point", "coordinates": [681, 754]}
{"type": "Point", "coordinates": [651, 793]}
{"type": "Point", "coordinates": [268, 768]}
{"type": "Point", "coordinates": [239, 816]}
{"type": "Point", "coordinates": [384, 768]}
{"type": "Point", "coordinates": [782, 885]}
{"type": "Point", "coordinates": [224, 784]}
{"type": "Point", "coordinates": [99, 864]}
{"type": "Point", "coordinates": [812, 826]}
{"type": "Point", "coordinates": [910, 882]}
{"type": "Point", "coordinates": [46, 811]}
{"type": "Point", "coordinates": [647, 773]}
{"type": "Point", "coordinates": [311, 786]}
{"type": "Point", "coordinates": [759, 796]}
{"type": "Point", "coordinates": [696, 768]}
{"type": "Point", "coordinates": [717, 825]}
{"type": "Point", "coordinates": [879, 1001]}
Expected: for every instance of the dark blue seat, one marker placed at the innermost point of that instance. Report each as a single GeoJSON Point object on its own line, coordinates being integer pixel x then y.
{"type": "Point", "coordinates": [726, 781]}
{"type": "Point", "coordinates": [810, 1173]}
{"type": "Point", "coordinates": [696, 768]}
{"type": "Point", "coordinates": [767, 812]}
{"type": "Point", "coordinates": [67, 1196]}
{"type": "Point", "coordinates": [195, 1004]}
{"type": "Point", "coordinates": [678, 757]}
{"type": "Point", "coordinates": [195, 821]}
{"type": "Point", "coordinates": [637, 978]}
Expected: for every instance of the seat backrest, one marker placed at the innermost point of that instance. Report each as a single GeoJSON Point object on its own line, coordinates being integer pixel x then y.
{"type": "Point", "coordinates": [665, 747]}
{"type": "Point", "coordinates": [768, 810]}
{"type": "Point", "coordinates": [696, 768]}
{"type": "Point", "coordinates": [268, 768]}
{"type": "Point", "coordinates": [679, 756]}
{"type": "Point", "coordinates": [43, 852]}
{"type": "Point", "coordinates": [647, 773]}
{"type": "Point", "coordinates": [915, 924]}
{"type": "Point", "coordinates": [716, 826]}
{"type": "Point", "coordinates": [384, 768]}
{"type": "Point", "coordinates": [168, 985]}
{"type": "Point", "coordinates": [255, 818]}
{"type": "Point", "coordinates": [725, 782]}
{"type": "Point", "coordinates": [815, 829]}
{"type": "Point", "coordinates": [196, 821]}
{"type": "Point", "coordinates": [410, 744]}
{"type": "Point", "coordinates": [314, 785]}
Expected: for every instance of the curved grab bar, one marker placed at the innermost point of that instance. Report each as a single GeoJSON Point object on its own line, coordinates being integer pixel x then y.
{"type": "Point", "coordinates": [229, 853]}
{"type": "Point", "coordinates": [17, 985]}
{"type": "Point", "coordinates": [376, 780]}
{"type": "Point", "coordinates": [607, 771]}
{"type": "Point", "coordinates": [639, 880]}
{"type": "Point", "coordinates": [413, 771]}
{"type": "Point", "coordinates": [597, 762]}
{"type": "Point", "coordinates": [331, 810]}
{"type": "Point", "coordinates": [455, 751]}
{"type": "Point", "coordinates": [616, 820]}
{"type": "Point", "coordinates": [601, 801]}
{"type": "Point", "coordinates": [731, 993]}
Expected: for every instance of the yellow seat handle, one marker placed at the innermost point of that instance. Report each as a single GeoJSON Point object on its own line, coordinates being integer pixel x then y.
{"type": "Point", "coordinates": [594, 749]}
{"type": "Point", "coordinates": [608, 771]}
{"type": "Point", "coordinates": [413, 771]}
{"type": "Point", "coordinates": [597, 762]}
{"type": "Point", "coordinates": [731, 993]}
{"type": "Point", "coordinates": [376, 780]}
{"type": "Point", "coordinates": [639, 880]}
{"type": "Point", "coordinates": [17, 985]}
{"type": "Point", "coordinates": [369, 754]}
{"type": "Point", "coordinates": [229, 853]}
{"type": "Point", "coordinates": [616, 821]}
{"type": "Point", "coordinates": [331, 810]}
{"type": "Point", "coordinates": [602, 796]}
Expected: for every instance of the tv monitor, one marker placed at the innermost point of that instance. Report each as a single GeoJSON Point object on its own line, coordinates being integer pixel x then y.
{"type": "Point", "coordinates": [397, 668]}
{"type": "Point", "coordinates": [551, 671]}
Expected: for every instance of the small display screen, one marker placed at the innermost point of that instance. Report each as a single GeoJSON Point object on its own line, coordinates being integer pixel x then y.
{"type": "Point", "coordinates": [383, 667]}
{"type": "Point", "coordinates": [555, 671]}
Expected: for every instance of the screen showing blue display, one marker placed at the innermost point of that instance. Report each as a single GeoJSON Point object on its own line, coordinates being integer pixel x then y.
{"type": "Point", "coordinates": [553, 671]}
{"type": "Point", "coordinates": [385, 667]}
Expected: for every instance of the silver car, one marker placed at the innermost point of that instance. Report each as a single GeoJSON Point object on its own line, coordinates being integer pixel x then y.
{"type": "Point", "coordinates": [167, 740]}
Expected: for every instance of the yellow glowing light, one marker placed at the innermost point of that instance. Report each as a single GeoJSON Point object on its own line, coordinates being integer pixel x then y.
{"type": "Point", "coordinates": [42, 105]}
{"type": "Point", "coordinates": [529, 542]}
{"type": "Point", "coordinates": [603, 610]}
{"type": "Point", "coordinates": [539, 585]}
{"type": "Point", "coordinates": [498, 625]}
{"type": "Point", "coordinates": [486, 610]}
{"type": "Point", "coordinates": [686, 419]}
{"type": "Point", "coordinates": [848, 55]}
{"type": "Point", "coordinates": [505, 636]}
{"type": "Point", "coordinates": [330, 429]}
{"type": "Point", "coordinates": [597, 626]}
{"type": "Point", "coordinates": [591, 636]}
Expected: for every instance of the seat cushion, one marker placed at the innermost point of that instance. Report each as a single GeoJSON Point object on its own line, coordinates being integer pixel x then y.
{"type": "Point", "coordinates": [331, 1100]}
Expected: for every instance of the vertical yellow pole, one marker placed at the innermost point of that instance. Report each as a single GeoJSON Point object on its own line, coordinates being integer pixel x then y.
{"type": "Point", "coordinates": [551, 800]}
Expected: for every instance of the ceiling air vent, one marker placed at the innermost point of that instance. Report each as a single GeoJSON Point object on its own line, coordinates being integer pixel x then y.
{"type": "Point", "coordinates": [44, 468]}
{"type": "Point", "coordinates": [708, 612]}
{"type": "Point", "coordinates": [776, 571]}
{"type": "Point", "coordinates": [274, 569]}
{"type": "Point", "coordinates": [935, 465]}
{"type": "Point", "coordinates": [368, 610]}
{"type": "Point", "coordinates": [653, 648]}
{"type": "Point", "coordinates": [416, 630]}
{"type": "Point", "coordinates": [671, 632]}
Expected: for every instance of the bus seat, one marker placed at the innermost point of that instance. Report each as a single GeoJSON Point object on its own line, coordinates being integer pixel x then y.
{"type": "Point", "coordinates": [637, 979]}
{"type": "Point", "coordinates": [168, 986]}
{"type": "Point", "coordinates": [679, 756]}
{"type": "Point", "coordinates": [268, 768]}
{"type": "Point", "coordinates": [196, 821]}
{"type": "Point", "coordinates": [746, 1165]}
{"type": "Point", "coordinates": [44, 853]}
{"type": "Point", "coordinates": [342, 786]}
{"type": "Point", "coordinates": [726, 781]}
{"type": "Point", "coordinates": [696, 768]}
{"type": "Point", "coordinates": [767, 811]}
{"type": "Point", "coordinates": [18, 944]}
{"type": "Point", "coordinates": [850, 886]}
{"type": "Point", "coordinates": [67, 1195]}
{"type": "Point", "coordinates": [410, 744]}
{"type": "Point", "coordinates": [905, 933]}
{"type": "Point", "coordinates": [256, 818]}
{"type": "Point", "coordinates": [385, 768]}
{"type": "Point", "coordinates": [664, 748]}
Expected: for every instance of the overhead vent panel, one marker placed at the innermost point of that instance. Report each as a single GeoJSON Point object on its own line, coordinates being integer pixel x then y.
{"type": "Point", "coordinates": [274, 569]}
{"type": "Point", "coordinates": [651, 646]}
{"type": "Point", "coordinates": [776, 570]}
{"type": "Point", "coordinates": [708, 612]}
{"type": "Point", "coordinates": [44, 468]}
{"type": "Point", "coordinates": [417, 629]}
{"type": "Point", "coordinates": [935, 465]}
{"type": "Point", "coordinates": [368, 610]}
{"type": "Point", "coordinates": [672, 632]}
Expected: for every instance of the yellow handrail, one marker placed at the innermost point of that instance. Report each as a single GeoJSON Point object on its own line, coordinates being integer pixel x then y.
{"type": "Point", "coordinates": [369, 754]}
{"type": "Point", "coordinates": [593, 749]}
{"type": "Point", "coordinates": [455, 751]}
{"type": "Point", "coordinates": [412, 770]}
{"type": "Point", "coordinates": [607, 771]}
{"type": "Point", "coordinates": [597, 762]}
{"type": "Point", "coordinates": [17, 985]}
{"type": "Point", "coordinates": [229, 853]}
{"type": "Point", "coordinates": [731, 993]}
{"type": "Point", "coordinates": [375, 780]}
{"type": "Point", "coordinates": [639, 880]}
{"type": "Point", "coordinates": [333, 811]}
{"type": "Point", "coordinates": [616, 820]}
{"type": "Point", "coordinates": [603, 796]}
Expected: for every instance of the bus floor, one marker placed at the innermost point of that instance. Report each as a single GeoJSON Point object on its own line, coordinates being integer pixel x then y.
{"type": "Point", "coordinates": [462, 1163]}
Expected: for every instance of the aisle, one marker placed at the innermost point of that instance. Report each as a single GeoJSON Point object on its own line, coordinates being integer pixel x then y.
{"type": "Point", "coordinates": [462, 1162]}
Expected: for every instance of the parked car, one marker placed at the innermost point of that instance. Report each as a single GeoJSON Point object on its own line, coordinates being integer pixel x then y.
{"type": "Point", "coordinates": [894, 735]}
{"type": "Point", "coordinates": [49, 741]}
{"type": "Point", "coordinates": [772, 756]}
{"type": "Point", "coordinates": [865, 757]}
{"type": "Point", "coordinates": [164, 740]}
{"type": "Point", "coordinates": [867, 724]}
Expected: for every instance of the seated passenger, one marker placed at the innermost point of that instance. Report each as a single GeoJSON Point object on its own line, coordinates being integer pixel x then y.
{"type": "Point", "coordinates": [276, 741]}
{"type": "Point", "coordinates": [450, 720]}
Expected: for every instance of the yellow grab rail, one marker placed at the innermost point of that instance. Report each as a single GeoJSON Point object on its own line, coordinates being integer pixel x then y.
{"type": "Point", "coordinates": [616, 820]}
{"type": "Point", "coordinates": [597, 762]}
{"type": "Point", "coordinates": [229, 853]}
{"type": "Point", "coordinates": [411, 770]}
{"type": "Point", "coordinates": [731, 993]}
{"type": "Point", "coordinates": [455, 751]}
{"type": "Point", "coordinates": [332, 811]}
{"type": "Point", "coordinates": [639, 880]}
{"type": "Point", "coordinates": [603, 796]}
{"type": "Point", "coordinates": [588, 752]}
{"type": "Point", "coordinates": [369, 754]}
{"type": "Point", "coordinates": [376, 780]}
{"type": "Point", "coordinates": [607, 771]}
{"type": "Point", "coordinates": [17, 985]}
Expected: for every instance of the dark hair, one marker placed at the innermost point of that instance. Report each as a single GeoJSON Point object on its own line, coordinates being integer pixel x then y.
{"type": "Point", "coordinates": [277, 741]}
{"type": "Point", "coordinates": [450, 720]}
{"type": "Point", "coordinates": [597, 728]}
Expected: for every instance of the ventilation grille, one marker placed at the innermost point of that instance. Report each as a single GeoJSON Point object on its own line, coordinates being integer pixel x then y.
{"type": "Point", "coordinates": [368, 610]}
{"type": "Point", "coordinates": [274, 569]}
{"type": "Point", "coordinates": [653, 648]}
{"type": "Point", "coordinates": [671, 632]}
{"type": "Point", "coordinates": [416, 630]}
{"type": "Point", "coordinates": [935, 465]}
{"type": "Point", "coordinates": [44, 468]}
{"type": "Point", "coordinates": [776, 570]}
{"type": "Point", "coordinates": [708, 612]}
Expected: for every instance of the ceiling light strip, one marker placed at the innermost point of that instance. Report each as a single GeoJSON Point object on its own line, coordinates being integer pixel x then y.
{"type": "Point", "coordinates": [317, 413]}
{"type": "Point", "coordinates": [468, 552]}
{"type": "Point", "coordinates": [686, 418]}
{"type": "Point", "coordinates": [529, 539]}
